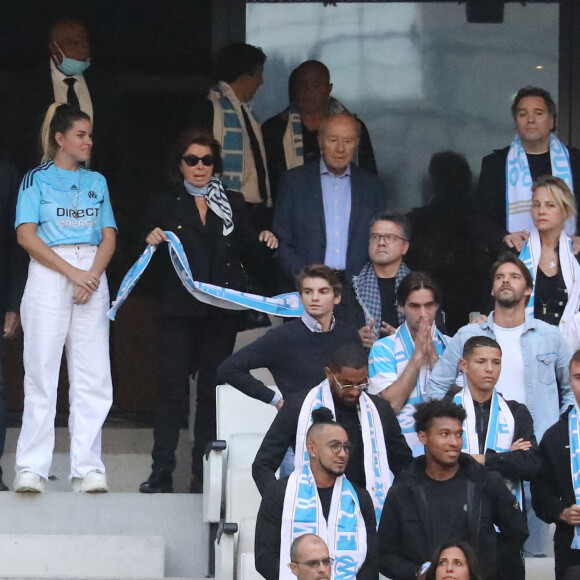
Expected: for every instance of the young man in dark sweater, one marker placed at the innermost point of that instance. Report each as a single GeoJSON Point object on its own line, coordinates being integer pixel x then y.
{"type": "Point", "coordinates": [295, 353]}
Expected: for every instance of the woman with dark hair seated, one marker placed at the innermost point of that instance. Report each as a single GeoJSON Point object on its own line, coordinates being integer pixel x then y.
{"type": "Point", "coordinates": [219, 241]}
{"type": "Point", "coordinates": [453, 560]}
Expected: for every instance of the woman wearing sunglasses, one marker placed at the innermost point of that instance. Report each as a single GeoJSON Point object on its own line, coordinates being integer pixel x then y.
{"type": "Point", "coordinates": [219, 241]}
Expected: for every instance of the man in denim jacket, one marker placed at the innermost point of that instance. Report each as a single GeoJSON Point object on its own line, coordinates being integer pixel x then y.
{"type": "Point", "coordinates": [535, 362]}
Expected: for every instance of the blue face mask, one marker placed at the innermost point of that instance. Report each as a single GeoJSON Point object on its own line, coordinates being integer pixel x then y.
{"type": "Point", "coordinates": [70, 66]}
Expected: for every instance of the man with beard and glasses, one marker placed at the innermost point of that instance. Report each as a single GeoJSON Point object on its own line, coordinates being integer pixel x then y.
{"type": "Point", "coordinates": [535, 361]}
{"type": "Point", "coordinates": [317, 498]}
{"type": "Point", "coordinates": [378, 446]}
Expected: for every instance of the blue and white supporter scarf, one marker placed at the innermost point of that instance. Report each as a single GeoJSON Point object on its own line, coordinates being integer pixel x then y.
{"type": "Point", "coordinates": [398, 349]}
{"type": "Point", "coordinates": [378, 475]}
{"type": "Point", "coordinates": [500, 431]}
{"type": "Point", "coordinates": [530, 256]}
{"type": "Point", "coordinates": [216, 199]}
{"type": "Point", "coordinates": [293, 140]}
{"type": "Point", "coordinates": [239, 170]}
{"type": "Point", "coordinates": [367, 292]}
{"type": "Point", "coordinates": [344, 532]}
{"type": "Point", "coordinates": [281, 305]}
{"type": "Point", "coordinates": [519, 183]}
{"type": "Point", "coordinates": [574, 439]}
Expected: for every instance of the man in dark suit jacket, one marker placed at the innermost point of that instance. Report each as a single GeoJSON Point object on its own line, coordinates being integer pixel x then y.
{"type": "Point", "coordinates": [13, 262]}
{"type": "Point", "coordinates": [34, 91]}
{"type": "Point", "coordinates": [324, 208]}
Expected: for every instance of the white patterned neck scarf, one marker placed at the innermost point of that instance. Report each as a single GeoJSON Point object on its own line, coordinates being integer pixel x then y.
{"type": "Point", "coordinates": [530, 256]}
{"type": "Point", "coordinates": [378, 475]}
{"type": "Point", "coordinates": [519, 183]}
{"type": "Point", "coordinates": [574, 439]}
{"type": "Point", "coordinates": [344, 532]}
{"type": "Point", "coordinates": [500, 430]}
{"type": "Point", "coordinates": [217, 201]}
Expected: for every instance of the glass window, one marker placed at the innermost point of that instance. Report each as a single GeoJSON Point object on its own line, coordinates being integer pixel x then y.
{"type": "Point", "coordinates": [421, 77]}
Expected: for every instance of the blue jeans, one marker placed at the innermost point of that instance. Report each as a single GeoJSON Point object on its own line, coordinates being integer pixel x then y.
{"type": "Point", "coordinates": [287, 465]}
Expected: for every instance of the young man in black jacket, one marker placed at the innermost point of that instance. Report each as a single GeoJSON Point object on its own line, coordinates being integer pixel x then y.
{"type": "Point", "coordinates": [497, 433]}
{"type": "Point", "coordinates": [553, 495]}
{"type": "Point", "coordinates": [446, 495]}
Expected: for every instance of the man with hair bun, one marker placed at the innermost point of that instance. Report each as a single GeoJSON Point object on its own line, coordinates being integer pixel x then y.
{"type": "Point", "coordinates": [317, 498]}
{"type": "Point", "coordinates": [447, 495]}
{"type": "Point", "coordinates": [378, 447]}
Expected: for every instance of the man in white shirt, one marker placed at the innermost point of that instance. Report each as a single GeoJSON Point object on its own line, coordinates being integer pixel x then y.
{"type": "Point", "coordinates": [535, 362]}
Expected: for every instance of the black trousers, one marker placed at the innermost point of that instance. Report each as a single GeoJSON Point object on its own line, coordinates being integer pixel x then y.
{"type": "Point", "coordinates": [189, 346]}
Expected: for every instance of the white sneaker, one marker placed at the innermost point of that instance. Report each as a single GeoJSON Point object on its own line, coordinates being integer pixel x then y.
{"type": "Point", "coordinates": [30, 482]}
{"type": "Point", "coordinates": [93, 482]}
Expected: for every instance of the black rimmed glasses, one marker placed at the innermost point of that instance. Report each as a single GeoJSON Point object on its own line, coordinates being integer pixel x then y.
{"type": "Point", "coordinates": [360, 387]}
{"type": "Point", "coordinates": [192, 160]}
{"type": "Point", "coordinates": [327, 562]}
{"type": "Point", "coordinates": [387, 238]}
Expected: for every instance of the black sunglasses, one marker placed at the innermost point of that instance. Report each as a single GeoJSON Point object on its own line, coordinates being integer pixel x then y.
{"type": "Point", "coordinates": [193, 160]}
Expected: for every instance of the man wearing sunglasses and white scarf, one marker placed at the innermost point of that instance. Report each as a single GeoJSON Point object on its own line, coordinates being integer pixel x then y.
{"type": "Point", "coordinates": [379, 449]}
{"type": "Point", "coordinates": [318, 499]}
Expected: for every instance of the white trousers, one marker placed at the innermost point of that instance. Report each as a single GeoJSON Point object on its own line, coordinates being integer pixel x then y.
{"type": "Point", "coordinates": [50, 321]}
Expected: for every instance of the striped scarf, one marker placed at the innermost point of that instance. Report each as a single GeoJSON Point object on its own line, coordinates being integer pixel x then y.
{"type": "Point", "coordinates": [519, 183]}
{"type": "Point", "coordinates": [239, 170]}
{"type": "Point", "coordinates": [293, 140]}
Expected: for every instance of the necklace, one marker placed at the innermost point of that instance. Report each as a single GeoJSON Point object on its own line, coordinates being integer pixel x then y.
{"type": "Point", "coordinates": [552, 264]}
{"type": "Point", "coordinates": [73, 202]}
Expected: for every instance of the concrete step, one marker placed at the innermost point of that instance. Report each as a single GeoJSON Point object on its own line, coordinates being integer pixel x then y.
{"type": "Point", "coordinates": [175, 518]}
{"type": "Point", "coordinates": [75, 556]}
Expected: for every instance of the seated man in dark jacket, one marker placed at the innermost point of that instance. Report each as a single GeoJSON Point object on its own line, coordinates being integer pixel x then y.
{"type": "Point", "coordinates": [318, 499]}
{"type": "Point", "coordinates": [378, 446]}
{"type": "Point", "coordinates": [553, 496]}
{"type": "Point", "coordinates": [497, 433]}
{"type": "Point", "coordinates": [446, 495]}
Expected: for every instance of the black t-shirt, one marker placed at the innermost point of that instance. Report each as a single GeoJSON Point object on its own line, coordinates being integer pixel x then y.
{"type": "Point", "coordinates": [539, 164]}
{"type": "Point", "coordinates": [550, 297]}
{"type": "Point", "coordinates": [482, 411]}
{"type": "Point", "coordinates": [325, 495]}
{"type": "Point", "coordinates": [447, 505]}
{"type": "Point", "coordinates": [388, 301]}
{"type": "Point", "coordinates": [347, 416]}
{"type": "Point", "coordinates": [310, 144]}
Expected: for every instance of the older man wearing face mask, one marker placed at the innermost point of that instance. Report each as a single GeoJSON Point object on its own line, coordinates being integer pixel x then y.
{"type": "Point", "coordinates": [65, 77]}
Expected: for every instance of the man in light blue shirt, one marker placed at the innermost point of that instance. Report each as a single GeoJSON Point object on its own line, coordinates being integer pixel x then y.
{"type": "Point", "coordinates": [324, 208]}
{"type": "Point", "coordinates": [534, 363]}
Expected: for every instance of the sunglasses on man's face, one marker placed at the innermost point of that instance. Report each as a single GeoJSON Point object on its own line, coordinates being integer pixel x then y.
{"type": "Point", "coordinates": [193, 160]}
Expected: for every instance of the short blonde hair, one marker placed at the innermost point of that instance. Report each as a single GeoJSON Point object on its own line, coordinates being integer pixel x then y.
{"type": "Point", "coordinates": [560, 193]}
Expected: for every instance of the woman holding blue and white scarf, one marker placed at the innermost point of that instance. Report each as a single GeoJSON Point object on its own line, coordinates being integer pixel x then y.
{"type": "Point", "coordinates": [549, 257]}
{"type": "Point", "coordinates": [219, 241]}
